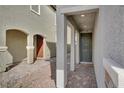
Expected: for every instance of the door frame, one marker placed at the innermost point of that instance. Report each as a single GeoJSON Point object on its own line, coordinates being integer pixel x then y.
{"type": "Point", "coordinates": [85, 62]}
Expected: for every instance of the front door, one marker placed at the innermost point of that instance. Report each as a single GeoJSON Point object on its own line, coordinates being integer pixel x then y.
{"type": "Point", "coordinates": [39, 46]}
{"type": "Point", "coordinates": [85, 47]}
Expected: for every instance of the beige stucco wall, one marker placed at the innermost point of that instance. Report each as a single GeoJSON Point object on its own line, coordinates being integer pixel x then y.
{"type": "Point", "coordinates": [21, 18]}
{"type": "Point", "coordinates": [16, 42]}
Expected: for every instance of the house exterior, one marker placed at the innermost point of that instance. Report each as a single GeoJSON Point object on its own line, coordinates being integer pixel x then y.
{"type": "Point", "coordinates": [28, 32]}
{"type": "Point", "coordinates": [90, 34]}
{"type": "Point", "coordinates": [107, 43]}
{"type": "Point", "coordinates": [24, 30]}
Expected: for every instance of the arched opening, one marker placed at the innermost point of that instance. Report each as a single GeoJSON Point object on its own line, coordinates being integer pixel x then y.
{"type": "Point", "coordinates": [38, 47]}
{"type": "Point", "coordinates": [16, 41]}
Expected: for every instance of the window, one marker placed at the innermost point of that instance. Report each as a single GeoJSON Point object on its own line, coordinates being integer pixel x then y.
{"type": "Point", "coordinates": [35, 9]}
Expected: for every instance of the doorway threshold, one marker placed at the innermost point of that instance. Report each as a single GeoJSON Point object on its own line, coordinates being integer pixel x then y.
{"type": "Point", "coordinates": [86, 62]}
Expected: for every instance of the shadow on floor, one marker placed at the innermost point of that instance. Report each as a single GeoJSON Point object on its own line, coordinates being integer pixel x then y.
{"type": "Point", "coordinates": [52, 68]}
{"type": "Point", "coordinates": [82, 77]}
{"type": "Point", "coordinates": [12, 66]}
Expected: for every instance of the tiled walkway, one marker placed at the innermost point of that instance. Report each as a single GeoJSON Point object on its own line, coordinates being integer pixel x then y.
{"type": "Point", "coordinates": [82, 77]}
{"type": "Point", "coordinates": [42, 74]}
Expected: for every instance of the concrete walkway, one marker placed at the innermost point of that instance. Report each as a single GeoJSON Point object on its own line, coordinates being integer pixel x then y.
{"type": "Point", "coordinates": [42, 74]}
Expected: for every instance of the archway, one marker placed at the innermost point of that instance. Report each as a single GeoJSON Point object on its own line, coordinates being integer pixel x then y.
{"type": "Point", "coordinates": [16, 40]}
{"type": "Point", "coordinates": [38, 47]}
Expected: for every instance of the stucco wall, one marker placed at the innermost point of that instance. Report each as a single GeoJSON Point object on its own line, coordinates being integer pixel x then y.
{"type": "Point", "coordinates": [97, 43]}
{"type": "Point", "coordinates": [16, 42]}
{"type": "Point", "coordinates": [114, 33]}
{"type": "Point", "coordinates": [21, 18]}
{"type": "Point", "coordinates": [108, 38]}
{"type": "Point", "coordinates": [97, 51]}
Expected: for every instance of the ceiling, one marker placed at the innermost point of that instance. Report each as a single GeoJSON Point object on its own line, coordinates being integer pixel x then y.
{"type": "Point", "coordinates": [85, 22]}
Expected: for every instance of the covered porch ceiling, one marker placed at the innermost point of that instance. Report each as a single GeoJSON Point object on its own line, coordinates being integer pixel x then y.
{"type": "Point", "coordinates": [84, 22]}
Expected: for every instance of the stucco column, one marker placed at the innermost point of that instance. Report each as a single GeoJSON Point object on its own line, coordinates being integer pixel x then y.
{"type": "Point", "coordinates": [61, 65]}
{"type": "Point", "coordinates": [72, 62]}
{"type": "Point", "coordinates": [6, 58]}
{"type": "Point", "coordinates": [77, 48]}
{"type": "Point", "coordinates": [30, 49]}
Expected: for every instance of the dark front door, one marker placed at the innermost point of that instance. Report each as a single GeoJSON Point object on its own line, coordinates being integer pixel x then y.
{"type": "Point", "coordinates": [86, 47]}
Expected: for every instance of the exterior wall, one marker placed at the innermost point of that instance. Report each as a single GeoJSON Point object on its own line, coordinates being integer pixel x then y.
{"type": "Point", "coordinates": [114, 41]}
{"type": "Point", "coordinates": [114, 33]}
{"type": "Point", "coordinates": [16, 42]}
{"type": "Point", "coordinates": [97, 38]}
{"type": "Point", "coordinates": [97, 51]}
{"type": "Point", "coordinates": [21, 18]}
{"type": "Point", "coordinates": [108, 39]}
{"type": "Point", "coordinates": [6, 59]}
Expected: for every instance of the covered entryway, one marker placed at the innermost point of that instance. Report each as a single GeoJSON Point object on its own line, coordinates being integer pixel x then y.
{"type": "Point", "coordinates": [38, 47]}
{"type": "Point", "coordinates": [82, 20]}
{"type": "Point", "coordinates": [16, 40]}
{"type": "Point", "coordinates": [85, 47]}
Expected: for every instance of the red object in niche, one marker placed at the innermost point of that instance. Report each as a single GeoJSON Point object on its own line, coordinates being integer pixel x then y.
{"type": "Point", "coordinates": [39, 46]}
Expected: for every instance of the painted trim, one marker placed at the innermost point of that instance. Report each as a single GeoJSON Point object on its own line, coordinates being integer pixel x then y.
{"type": "Point", "coordinates": [86, 62]}
{"type": "Point", "coordinates": [3, 48]}
{"type": "Point", "coordinates": [60, 80]}
{"type": "Point", "coordinates": [17, 29]}
{"type": "Point", "coordinates": [30, 47]}
{"type": "Point", "coordinates": [44, 48]}
{"type": "Point", "coordinates": [38, 13]}
{"type": "Point", "coordinates": [89, 31]}
{"type": "Point", "coordinates": [76, 9]}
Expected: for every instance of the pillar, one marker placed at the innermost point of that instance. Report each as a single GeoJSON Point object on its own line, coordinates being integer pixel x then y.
{"type": "Point", "coordinates": [72, 62]}
{"type": "Point", "coordinates": [61, 65]}
{"type": "Point", "coordinates": [30, 49]}
{"type": "Point", "coordinates": [77, 48]}
{"type": "Point", "coordinates": [6, 58]}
